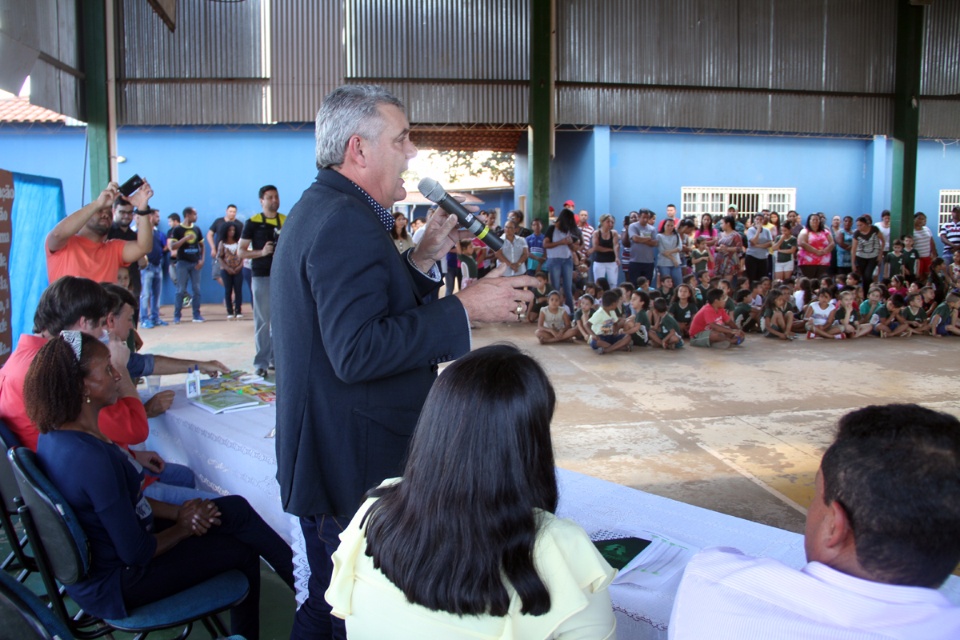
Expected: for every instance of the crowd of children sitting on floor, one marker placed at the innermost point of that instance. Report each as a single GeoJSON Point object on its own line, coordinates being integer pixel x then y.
{"type": "Point", "coordinates": [834, 307]}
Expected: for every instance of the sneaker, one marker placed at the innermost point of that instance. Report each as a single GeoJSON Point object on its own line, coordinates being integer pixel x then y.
{"type": "Point", "coordinates": [597, 349]}
{"type": "Point", "coordinates": [176, 321]}
{"type": "Point", "coordinates": [840, 336]}
{"type": "Point", "coordinates": [230, 316]}
{"type": "Point", "coordinates": [262, 373]}
{"type": "Point", "coordinates": [811, 335]}
{"type": "Point", "coordinates": [146, 324]}
{"type": "Point", "coordinates": [239, 315]}
{"type": "Point", "coordinates": [160, 323]}
{"type": "Point", "coordinates": [272, 367]}
{"type": "Point", "coordinates": [199, 319]}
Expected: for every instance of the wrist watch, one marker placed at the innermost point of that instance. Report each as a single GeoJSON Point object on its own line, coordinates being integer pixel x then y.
{"type": "Point", "coordinates": [146, 212]}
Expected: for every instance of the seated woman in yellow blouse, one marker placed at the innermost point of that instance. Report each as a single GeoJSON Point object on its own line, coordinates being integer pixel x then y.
{"type": "Point", "coordinates": [466, 544]}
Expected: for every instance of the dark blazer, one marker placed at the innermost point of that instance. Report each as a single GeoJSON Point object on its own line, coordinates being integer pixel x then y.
{"type": "Point", "coordinates": [356, 349]}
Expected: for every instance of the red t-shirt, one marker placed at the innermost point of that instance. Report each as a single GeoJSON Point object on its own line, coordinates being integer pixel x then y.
{"type": "Point", "coordinates": [707, 316]}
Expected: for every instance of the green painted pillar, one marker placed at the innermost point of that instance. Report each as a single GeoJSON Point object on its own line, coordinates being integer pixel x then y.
{"type": "Point", "coordinates": [94, 49]}
{"type": "Point", "coordinates": [906, 116]}
{"type": "Point", "coordinates": [540, 129]}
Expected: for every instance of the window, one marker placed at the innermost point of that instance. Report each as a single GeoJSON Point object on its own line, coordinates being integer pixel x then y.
{"type": "Point", "coordinates": [749, 200]}
{"type": "Point", "coordinates": [949, 198]}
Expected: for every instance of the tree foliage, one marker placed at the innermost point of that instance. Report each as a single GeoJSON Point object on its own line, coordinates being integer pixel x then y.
{"type": "Point", "coordinates": [497, 165]}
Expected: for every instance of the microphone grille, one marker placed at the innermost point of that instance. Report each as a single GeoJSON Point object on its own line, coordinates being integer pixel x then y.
{"type": "Point", "coordinates": [431, 190]}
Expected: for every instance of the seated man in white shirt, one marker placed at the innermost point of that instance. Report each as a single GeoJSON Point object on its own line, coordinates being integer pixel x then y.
{"type": "Point", "coordinates": [882, 534]}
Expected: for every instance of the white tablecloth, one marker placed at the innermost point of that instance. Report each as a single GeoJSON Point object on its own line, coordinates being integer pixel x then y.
{"type": "Point", "coordinates": [231, 455]}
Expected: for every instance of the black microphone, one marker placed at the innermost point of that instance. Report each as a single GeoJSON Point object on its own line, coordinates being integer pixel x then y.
{"type": "Point", "coordinates": [432, 191]}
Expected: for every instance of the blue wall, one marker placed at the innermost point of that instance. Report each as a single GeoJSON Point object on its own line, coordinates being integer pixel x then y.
{"type": "Point", "coordinates": [648, 169]}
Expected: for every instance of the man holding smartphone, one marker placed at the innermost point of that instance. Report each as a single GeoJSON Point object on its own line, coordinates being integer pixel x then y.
{"type": "Point", "coordinates": [79, 245]}
{"type": "Point", "coordinates": [258, 241]}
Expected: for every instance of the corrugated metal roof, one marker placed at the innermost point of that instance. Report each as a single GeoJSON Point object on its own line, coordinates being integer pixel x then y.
{"type": "Point", "coordinates": [941, 50]}
{"type": "Point", "coordinates": [307, 57]}
{"type": "Point", "coordinates": [443, 39]}
{"type": "Point", "coordinates": [729, 110]}
{"type": "Point", "coordinates": [51, 86]}
{"type": "Point", "coordinates": [809, 66]}
{"type": "Point", "coordinates": [211, 70]}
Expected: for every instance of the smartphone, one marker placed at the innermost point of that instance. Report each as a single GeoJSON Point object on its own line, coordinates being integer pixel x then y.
{"type": "Point", "coordinates": [131, 185]}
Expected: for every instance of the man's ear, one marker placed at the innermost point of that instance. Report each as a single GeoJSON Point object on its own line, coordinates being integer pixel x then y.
{"type": "Point", "coordinates": [836, 531]}
{"type": "Point", "coordinates": [356, 151]}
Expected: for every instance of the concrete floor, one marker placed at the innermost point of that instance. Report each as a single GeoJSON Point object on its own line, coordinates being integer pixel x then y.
{"type": "Point", "coordinates": [738, 431]}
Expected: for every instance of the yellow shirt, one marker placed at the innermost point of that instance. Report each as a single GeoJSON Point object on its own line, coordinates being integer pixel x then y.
{"type": "Point", "coordinates": [575, 573]}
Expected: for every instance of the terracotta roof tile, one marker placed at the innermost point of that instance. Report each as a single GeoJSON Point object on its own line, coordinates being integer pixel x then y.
{"type": "Point", "coordinates": [20, 110]}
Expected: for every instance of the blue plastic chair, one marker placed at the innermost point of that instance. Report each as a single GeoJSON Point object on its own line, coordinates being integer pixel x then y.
{"type": "Point", "coordinates": [9, 504]}
{"type": "Point", "coordinates": [26, 617]}
{"type": "Point", "coordinates": [63, 555]}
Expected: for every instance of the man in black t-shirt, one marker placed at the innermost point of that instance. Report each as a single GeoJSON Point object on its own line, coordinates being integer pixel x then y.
{"type": "Point", "coordinates": [122, 217]}
{"type": "Point", "coordinates": [187, 241]}
{"type": "Point", "coordinates": [258, 242]}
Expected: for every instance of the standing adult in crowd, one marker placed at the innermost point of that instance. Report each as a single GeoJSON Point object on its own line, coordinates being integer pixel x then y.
{"type": "Point", "coordinates": [152, 275]}
{"type": "Point", "coordinates": [844, 243]}
{"type": "Point", "coordinates": [865, 249]}
{"type": "Point", "coordinates": [401, 239]}
{"type": "Point", "coordinates": [605, 248]}
{"type": "Point", "coordinates": [586, 235]}
{"type": "Point", "coordinates": [950, 235]}
{"type": "Point", "coordinates": [669, 253]}
{"type": "Point", "coordinates": [231, 271]}
{"type": "Point", "coordinates": [759, 241]}
{"type": "Point", "coordinates": [357, 350]}
{"type": "Point", "coordinates": [120, 229]}
{"type": "Point", "coordinates": [729, 247]}
{"type": "Point", "coordinates": [514, 252]}
{"type": "Point", "coordinates": [215, 234]}
{"type": "Point", "coordinates": [257, 243]}
{"type": "Point", "coordinates": [173, 221]}
{"type": "Point", "coordinates": [517, 216]}
{"type": "Point", "coordinates": [880, 539]}
{"type": "Point", "coordinates": [643, 244]}
{"type": "Point", "coordinates": [816, 245]}
{"type": "Point", "coordinates": [187, 241]}
{"type": "Point", "coordinates": [79, 245]}
{"type": "Point", "coordinates": [923, 243]}
{"type": "Point", "coordinates": [561, 241]}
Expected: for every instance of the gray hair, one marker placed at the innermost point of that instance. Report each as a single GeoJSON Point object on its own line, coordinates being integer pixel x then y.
{"type": "Point", "coordinates": [347, 111]}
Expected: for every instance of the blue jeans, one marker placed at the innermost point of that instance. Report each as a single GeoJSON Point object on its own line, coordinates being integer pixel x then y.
{"type": "Point", "coordinates": [321, 535]}
{"type": "Point", "coordinates": [637, 269]}
{"type": "Point", "coordinates": [674, 272]}
{"type": "Point", "coordinates": [187, 272]}
{"type": "Point", "coordinates": [262, 335]}
{"type": "Point", "coordinates": [561, 278]}
{"type": "Point", "coordinates": [151, 278]}
{"type": "Point", "coordinates": [175, 485]}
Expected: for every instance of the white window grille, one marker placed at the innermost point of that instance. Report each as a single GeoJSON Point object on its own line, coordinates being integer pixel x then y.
{"type": "Point", "coordinates": [695, 201]}
{"type": "Point", "coordinates": [949, 198]}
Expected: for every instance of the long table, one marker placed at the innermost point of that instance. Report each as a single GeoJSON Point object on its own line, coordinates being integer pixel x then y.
{"type": "Point", "coordinates": [231, 454]}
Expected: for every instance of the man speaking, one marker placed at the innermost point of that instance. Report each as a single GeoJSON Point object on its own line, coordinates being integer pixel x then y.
{"type": "Point", "coordinates": [356, 348]}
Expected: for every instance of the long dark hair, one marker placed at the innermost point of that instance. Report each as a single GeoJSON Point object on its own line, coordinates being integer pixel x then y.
{"type": "Point", "coordinates": [403, 232]}
{"type": "Point", "coordinates": [480, 464]}
{"type": "Point", "coordinates": [566, 222]}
